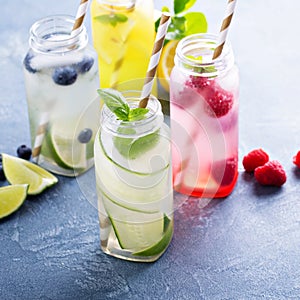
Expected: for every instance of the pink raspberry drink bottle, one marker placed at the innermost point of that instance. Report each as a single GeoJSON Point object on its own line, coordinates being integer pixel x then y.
{"type": "Point", "coordinates": [204, 118]}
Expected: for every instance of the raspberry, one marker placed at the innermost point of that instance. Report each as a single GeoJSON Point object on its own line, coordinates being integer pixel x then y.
{"type": "Point", "coordinates": [296, 159]}
{"type": "Point", "coordinates": [254, 159]}
{"type": "Point", "coordinates": [219, 102]}
{"type": "Point", "coordinates": [198, 82]}
{"type": "Point", "coordinates": [224, 172]}
{"type": "Point", "coordinates": [271, 173]}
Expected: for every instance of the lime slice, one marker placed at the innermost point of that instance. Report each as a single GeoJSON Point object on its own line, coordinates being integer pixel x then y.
{"type": "Point", "coordinates": [162, 244]}
{"type": "Point", "coordinates": [59, 145]}
{"type": "Point", "coordinates": [20, 171]}
{"type": "Point", "coordinates": [11, 198]}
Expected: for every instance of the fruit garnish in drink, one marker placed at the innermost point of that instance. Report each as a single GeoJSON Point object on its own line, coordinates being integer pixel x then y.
{"type": "Point", "coordinates": [128, 147]}
{"type": "Point", "coordinates": [224, 171]}
{"type": "Point", "coordinates": [219, 101]}
{"type": "Point", "coordinates": [159, 246]}
{"type": "Point", "coordinates": [116, 102]}
{"type": "Point", "coordinates": [183, 23]}
{"type": "Point", "coordinates": [11, 198]}
{"type": "Point", "coordinates": [20, 171]}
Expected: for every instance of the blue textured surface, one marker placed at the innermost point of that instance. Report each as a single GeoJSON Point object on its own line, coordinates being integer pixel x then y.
{"type": "Point", "coordinates": [246, 246]}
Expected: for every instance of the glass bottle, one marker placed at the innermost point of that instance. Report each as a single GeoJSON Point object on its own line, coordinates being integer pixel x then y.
{"type": "Point", "coordinates": [134, 183]}
{"type": "Point", "coordinates": [123, 36]}
{"type": "Point", "coordinates": [61, 80]}
{"type": "Point", "coordinates": [204, 118]}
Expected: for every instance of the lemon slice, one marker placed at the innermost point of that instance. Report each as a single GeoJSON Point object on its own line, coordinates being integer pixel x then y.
{"type": "Point", "coordinates": [20, 171]}
{"type": "Point", "coordinates": [166, 63]}
{"type": "Point", "coordinates": [11, 198]}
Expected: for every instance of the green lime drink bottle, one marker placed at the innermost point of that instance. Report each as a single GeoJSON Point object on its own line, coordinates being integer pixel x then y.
{"type": "Point", "coordinates": [134, 186]}
{"type": "Point", "coordinates": [61, 80]}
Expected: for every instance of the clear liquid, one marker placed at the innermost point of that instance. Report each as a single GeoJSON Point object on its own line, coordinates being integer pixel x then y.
{"type": "Point", "coordinates": [205, 146]}
{"type": "Point", "coordinates": [62, 106]}
{"type": "Point", "coordinates": [135, 200]}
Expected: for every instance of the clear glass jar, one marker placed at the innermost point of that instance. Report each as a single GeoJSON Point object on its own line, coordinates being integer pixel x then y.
{"type": "Point", "coordinates": [204, 118]}
{"type": "Point", "coordinates": [123, 36]}
{"type": "Point", "coordinates": [61, 80]}
{"type": "Point", "coordinates": [134, 184]}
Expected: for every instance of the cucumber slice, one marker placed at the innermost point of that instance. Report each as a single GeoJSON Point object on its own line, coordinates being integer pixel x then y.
{"type": "Point", "coordinates": [162, 244]}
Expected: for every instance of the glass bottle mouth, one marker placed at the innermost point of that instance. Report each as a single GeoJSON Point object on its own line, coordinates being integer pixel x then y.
{"type": "Point", "coordinates": [118, 5]}
{"type": "Point", "coordinates": [194, 54]}
{"type": "Point", "coordinates": [53, 35]}
{"type": "Point", "coordinates": [151, 122]}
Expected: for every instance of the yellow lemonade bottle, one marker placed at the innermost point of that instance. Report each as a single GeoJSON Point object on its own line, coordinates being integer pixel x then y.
{"type": "Point", "coordinates": [123, 35]}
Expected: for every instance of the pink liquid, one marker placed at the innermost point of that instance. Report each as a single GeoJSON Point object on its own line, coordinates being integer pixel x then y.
{"type": "Point", "coordinates": [204, 122]}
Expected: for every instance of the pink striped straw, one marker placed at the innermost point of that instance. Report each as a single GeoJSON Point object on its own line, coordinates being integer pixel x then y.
{"type": "Point", "coordinates": [224, 28]}
{"type": "Point", "coordinates": [154, 60]}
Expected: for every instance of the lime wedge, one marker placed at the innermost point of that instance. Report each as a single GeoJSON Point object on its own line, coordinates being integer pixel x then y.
{"type": "Point", "coordinates": [20, 171]}
{"type": "Point", "coordinates": [11, 198]}
{"type": "Point", "coordinates": [162, 244]}
{"type": "Point", "coordinates": [59, 145]}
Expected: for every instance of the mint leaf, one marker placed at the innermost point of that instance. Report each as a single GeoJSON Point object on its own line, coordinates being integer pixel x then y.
{"type": "Point", "coordinates": [195, 23]}
{"type": "Point", "coordinates": [137, 114]}
{"type": "Point", "coordinates": [116, 102]}
{"type": "Point", "coordinates": [183, 5]}
{"type": "Point", "coordinates": [112, 19]}
{"type": "Point", "coordinates": [176, 29]}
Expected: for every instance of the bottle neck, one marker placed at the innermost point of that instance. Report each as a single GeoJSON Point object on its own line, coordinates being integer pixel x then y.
{"type": "Point", "coordinates": [118, 5]}
{"type": "Point", "coordinates": [52, 35]}
{"type": "Point", "coordinates": [194, 56]}
{"type": "Point", "coordinates": [151, 123]}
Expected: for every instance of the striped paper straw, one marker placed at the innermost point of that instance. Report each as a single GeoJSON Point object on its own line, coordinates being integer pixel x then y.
{"type": "Point", "coordinates": [105, 227]}
{"type": "Point", "coordinates": [154, 60]}
{"type": "Point", "coordinates": [39, 137]}
{"type": "Point", "coordinates": [81, 12]}
{"type": "Point", "coordinates": [224, 28]}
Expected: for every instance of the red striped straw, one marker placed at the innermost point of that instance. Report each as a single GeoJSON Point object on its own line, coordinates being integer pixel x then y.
{"type": "Point", "coordinates": [44, 120]}
{"type": "Point", "coordinates": [154, 60]}
{"type": "Point", "coordinates": [224, 28]}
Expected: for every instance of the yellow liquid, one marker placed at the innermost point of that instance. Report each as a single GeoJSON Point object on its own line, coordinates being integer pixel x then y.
{"type": "Point", "coordinates": [124, 49]}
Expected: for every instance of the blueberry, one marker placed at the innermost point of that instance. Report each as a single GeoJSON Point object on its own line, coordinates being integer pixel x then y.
{"type": "Point", "coordinates": [85, 65]}
{"type": "Point", "coordinates": [85, 135]}
{"type": "Point", "coordinates": [64, 75]}
{"type": "Point", "coordinates": [24, 152]}
{"type": "Point", "coordinates": [27, 64]}
{"type": "Point", "coordinates": [2, 175]}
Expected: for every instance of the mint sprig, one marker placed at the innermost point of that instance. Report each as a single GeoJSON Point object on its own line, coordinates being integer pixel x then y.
{"type": "Point", "coordinates": [116, 103]}
{"type": "Point", "coordinates": [184, 23]}
{"type": "Point", "coordinates": [112, 19]}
